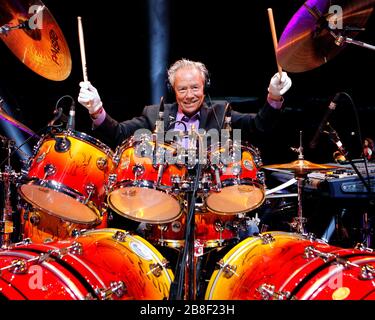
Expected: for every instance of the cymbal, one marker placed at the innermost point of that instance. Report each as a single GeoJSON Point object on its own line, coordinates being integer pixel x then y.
{"type": "Point", "coordinates": [14, 122]}
{"type": "Point", "coordinates": [35, 38]}
{"type": "Point", "coordinates": [301, 166]}
{"type": "Point", "coordinates": [308, 41]}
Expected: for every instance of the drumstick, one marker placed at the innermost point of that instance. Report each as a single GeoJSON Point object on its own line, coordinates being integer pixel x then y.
{"type": "Point", "coordinates": [82, 47]}
{"type": "Point", "coordinates": [274, 37]}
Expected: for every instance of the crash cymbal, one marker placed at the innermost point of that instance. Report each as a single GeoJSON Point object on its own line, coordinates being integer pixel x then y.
{"type": "Point", "coordinates": [14, 122]}
{"type": "Point", "coordinates": [301, 166]}
{"type": "Point", "coordinates": [35, 38]}
{"type": "Point", "coordinates": [308, 40]}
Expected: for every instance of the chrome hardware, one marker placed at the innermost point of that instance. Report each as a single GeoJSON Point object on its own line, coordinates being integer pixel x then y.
{"type": "Point", "coordinates": [49, 170]}
{"type": "Point", "coordinates": [367, 272]}
{"type": "Point", "coordinates": [268, 293]}
{"type": "Point", "coordinates": [118, 288]}
{"type": "Point", "coordinates": [138, 169]}
{"type": "Point", "coordinates": [62, 144]}
{"type": "Point", "coordinates": [90, 190]}
{"type": "Point", "coordinates": [360, 246]}
{"type": "Point", "coordinates": [228, 270]}
{"type": "Point", "coordinates": [156, 268]}
{"type": "Point", "coordinates": [267, 238]}
{"type": "Point", "coordinates": [120, 236]}
{"type": "Point", "coordinates": [34, 218]}
{"type": "Point", "coordinates": [218, 225]}
{"type": "Point", "coordinates": [101, 163]}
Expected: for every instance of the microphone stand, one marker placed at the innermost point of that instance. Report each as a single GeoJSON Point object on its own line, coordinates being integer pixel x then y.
{"type": "Point", "coordinates": [184, 284]}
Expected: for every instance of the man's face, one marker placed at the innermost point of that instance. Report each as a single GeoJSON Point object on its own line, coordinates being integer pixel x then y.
{"type": "Point", "coordinates": [189, 90]}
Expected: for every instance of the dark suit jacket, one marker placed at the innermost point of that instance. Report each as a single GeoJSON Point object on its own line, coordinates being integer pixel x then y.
{"type": "Point", "coordinates": [113, 133]}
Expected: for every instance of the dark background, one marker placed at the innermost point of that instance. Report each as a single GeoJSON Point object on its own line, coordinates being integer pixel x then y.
{"type": "Point", "coordinates": [232, 38]}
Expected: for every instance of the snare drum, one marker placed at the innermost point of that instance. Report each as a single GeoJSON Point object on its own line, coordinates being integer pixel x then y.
{"type": "Point", "coordinates": [239, 186]}
{"type": "Point", "coordinates": [211, 230]}
{"type": "Point", "coordinates": [288, 266]}
{"type": "Point", "coordinates": [136, 193]}
{"type": "Point", "coordinates": [67, 176]}
{"type": "Point", "coordinates": [106, 264]}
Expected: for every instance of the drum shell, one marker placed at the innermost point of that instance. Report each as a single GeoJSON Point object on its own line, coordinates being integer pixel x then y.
{"type": "Point", "coordinates": [103, 258]}
{"type": "Point", "coordinates": [281, 266]}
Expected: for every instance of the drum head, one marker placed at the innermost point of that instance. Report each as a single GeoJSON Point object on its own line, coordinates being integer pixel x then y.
{"type": "Point", "coordinates": [144, 204]}
{"type": "Point", "coordinates": [236, 199]}
{"type": "Point", "coordinates": [58, 204]}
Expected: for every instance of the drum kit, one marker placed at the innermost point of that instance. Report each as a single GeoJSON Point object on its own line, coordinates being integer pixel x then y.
{"type": "Point", "coordinates": [65, 250]}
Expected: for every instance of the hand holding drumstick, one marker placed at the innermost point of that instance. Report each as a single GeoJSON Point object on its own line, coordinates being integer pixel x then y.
{"type": "Point", "coordinates": [88, 95]}
{"type": "Point", "coordinates": [280, 83]}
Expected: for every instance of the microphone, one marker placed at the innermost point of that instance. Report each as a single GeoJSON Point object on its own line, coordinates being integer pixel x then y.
{"type": "Point", "coordinates": [160, 120]}
{"type": "Point", "coordinates": [331, 108]}
{"type": "Point", "coordinates": [71, 119]}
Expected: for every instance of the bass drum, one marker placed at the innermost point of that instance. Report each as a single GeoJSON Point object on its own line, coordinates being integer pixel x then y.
{"type": "Point", "coordinates": [106, 264]}
{"type": "Point", "coordinates": [288, 266]}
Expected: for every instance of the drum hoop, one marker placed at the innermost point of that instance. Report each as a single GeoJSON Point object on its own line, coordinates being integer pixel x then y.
{"type": "Point", "coordinates": [143, 220]}
{"type": "Point", "coordinates": [232, 182]}
{"type": "Point", "coordinates": [83, 137]}
{"type": "Point", "coordinates": [73, 289]}
{"type": "Point", "coordinates": [130, 142]}
{"type": "Point", "coordinates": [61, 188]}
{"type": "Point", "coordinates": [149, 184]}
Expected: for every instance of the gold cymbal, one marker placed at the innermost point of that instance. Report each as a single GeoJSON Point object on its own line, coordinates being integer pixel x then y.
{"type": "Point", "coordinates": [308, 40]}
{"type": "Point", "coordinates": [14, 122]}
{"type": "Point", "coordinates": [301, 166]}
{"type": "Point", "coordinates": [35, 38]}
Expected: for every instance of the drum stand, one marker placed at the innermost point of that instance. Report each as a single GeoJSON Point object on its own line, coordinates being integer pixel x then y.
{"type": "Point", "coordinates": [6, 221]}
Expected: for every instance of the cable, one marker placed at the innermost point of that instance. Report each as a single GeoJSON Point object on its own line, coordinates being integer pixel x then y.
{"type": "Point", "coordinates": [213, 110]}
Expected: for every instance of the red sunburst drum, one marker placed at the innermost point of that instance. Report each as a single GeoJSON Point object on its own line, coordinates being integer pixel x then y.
{"type": "Point", "coordinates": [67, 176]}
{"type": "Point", "coordinates": [136, 192]}
{"type": "Point", "coordinates": [283, 266]}
{"type": "Point", "coordinates": [211, 230]}
{"type": "Point", "coordinates": [239, 186]}
{"type": "Point", "coordinates": [106, 264]}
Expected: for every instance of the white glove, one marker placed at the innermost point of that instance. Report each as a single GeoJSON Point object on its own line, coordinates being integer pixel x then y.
{"type": "Point", "coordinates": [89, 97]}
{"type": "Point", "coordinates": [277, 88]}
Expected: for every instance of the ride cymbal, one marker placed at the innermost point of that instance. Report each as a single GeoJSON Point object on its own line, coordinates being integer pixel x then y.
{"type": "Point", "coordinates": [35, 38]}
{"type": "Point", "coordinates": [301, 166]}
{"type": "Point", "coordinates": [309, 39]}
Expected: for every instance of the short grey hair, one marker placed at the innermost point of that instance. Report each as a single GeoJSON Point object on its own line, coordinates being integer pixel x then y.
{"type": "Point", "coordinates": [185, 63]}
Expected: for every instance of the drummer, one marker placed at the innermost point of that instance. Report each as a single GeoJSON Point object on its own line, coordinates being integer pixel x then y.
{"type": "Point", "coordinates": [190, 82]}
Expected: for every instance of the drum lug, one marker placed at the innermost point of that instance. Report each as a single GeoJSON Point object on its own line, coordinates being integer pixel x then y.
{"type": "Point", "coordinates": [267, 238]}
{"type": "Point", "coordinates": [62, 144]}
{"type": "Point", "coordinates": [118, 288]}
{"type": "Point", "coordinates": [34, 218]}
{"type": "Point", "coordinates": [101, 163]}
{"type": "Point", "coordinates": [367, 272]}
{"type": "Point", "coordinates": [267, 292]}
{"type": "Point", "coordinates": [120, 236]}
{"type": "Point", "coordinates": [49, 170]}
{"type": "Point", "coordinates": [228, 270]}
{"type": "Point", "coordinates": [90, 190]}
{"type": "Point", "coordinates": [138, 170]}
{"type": "Point", "coordinates": [19, 266]}
{"type": "Point", "coordinates": [157, 268]}
{"type": "Point", "coordinates": [360, 246]}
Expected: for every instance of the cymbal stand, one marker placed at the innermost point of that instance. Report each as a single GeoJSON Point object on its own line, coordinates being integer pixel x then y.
{"type": "Point", "coordinates": [341, 39]}
{"type": "Point", "coordinates": [6, 222]}
{"type": "Point", "coordinates": [299, 222]}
